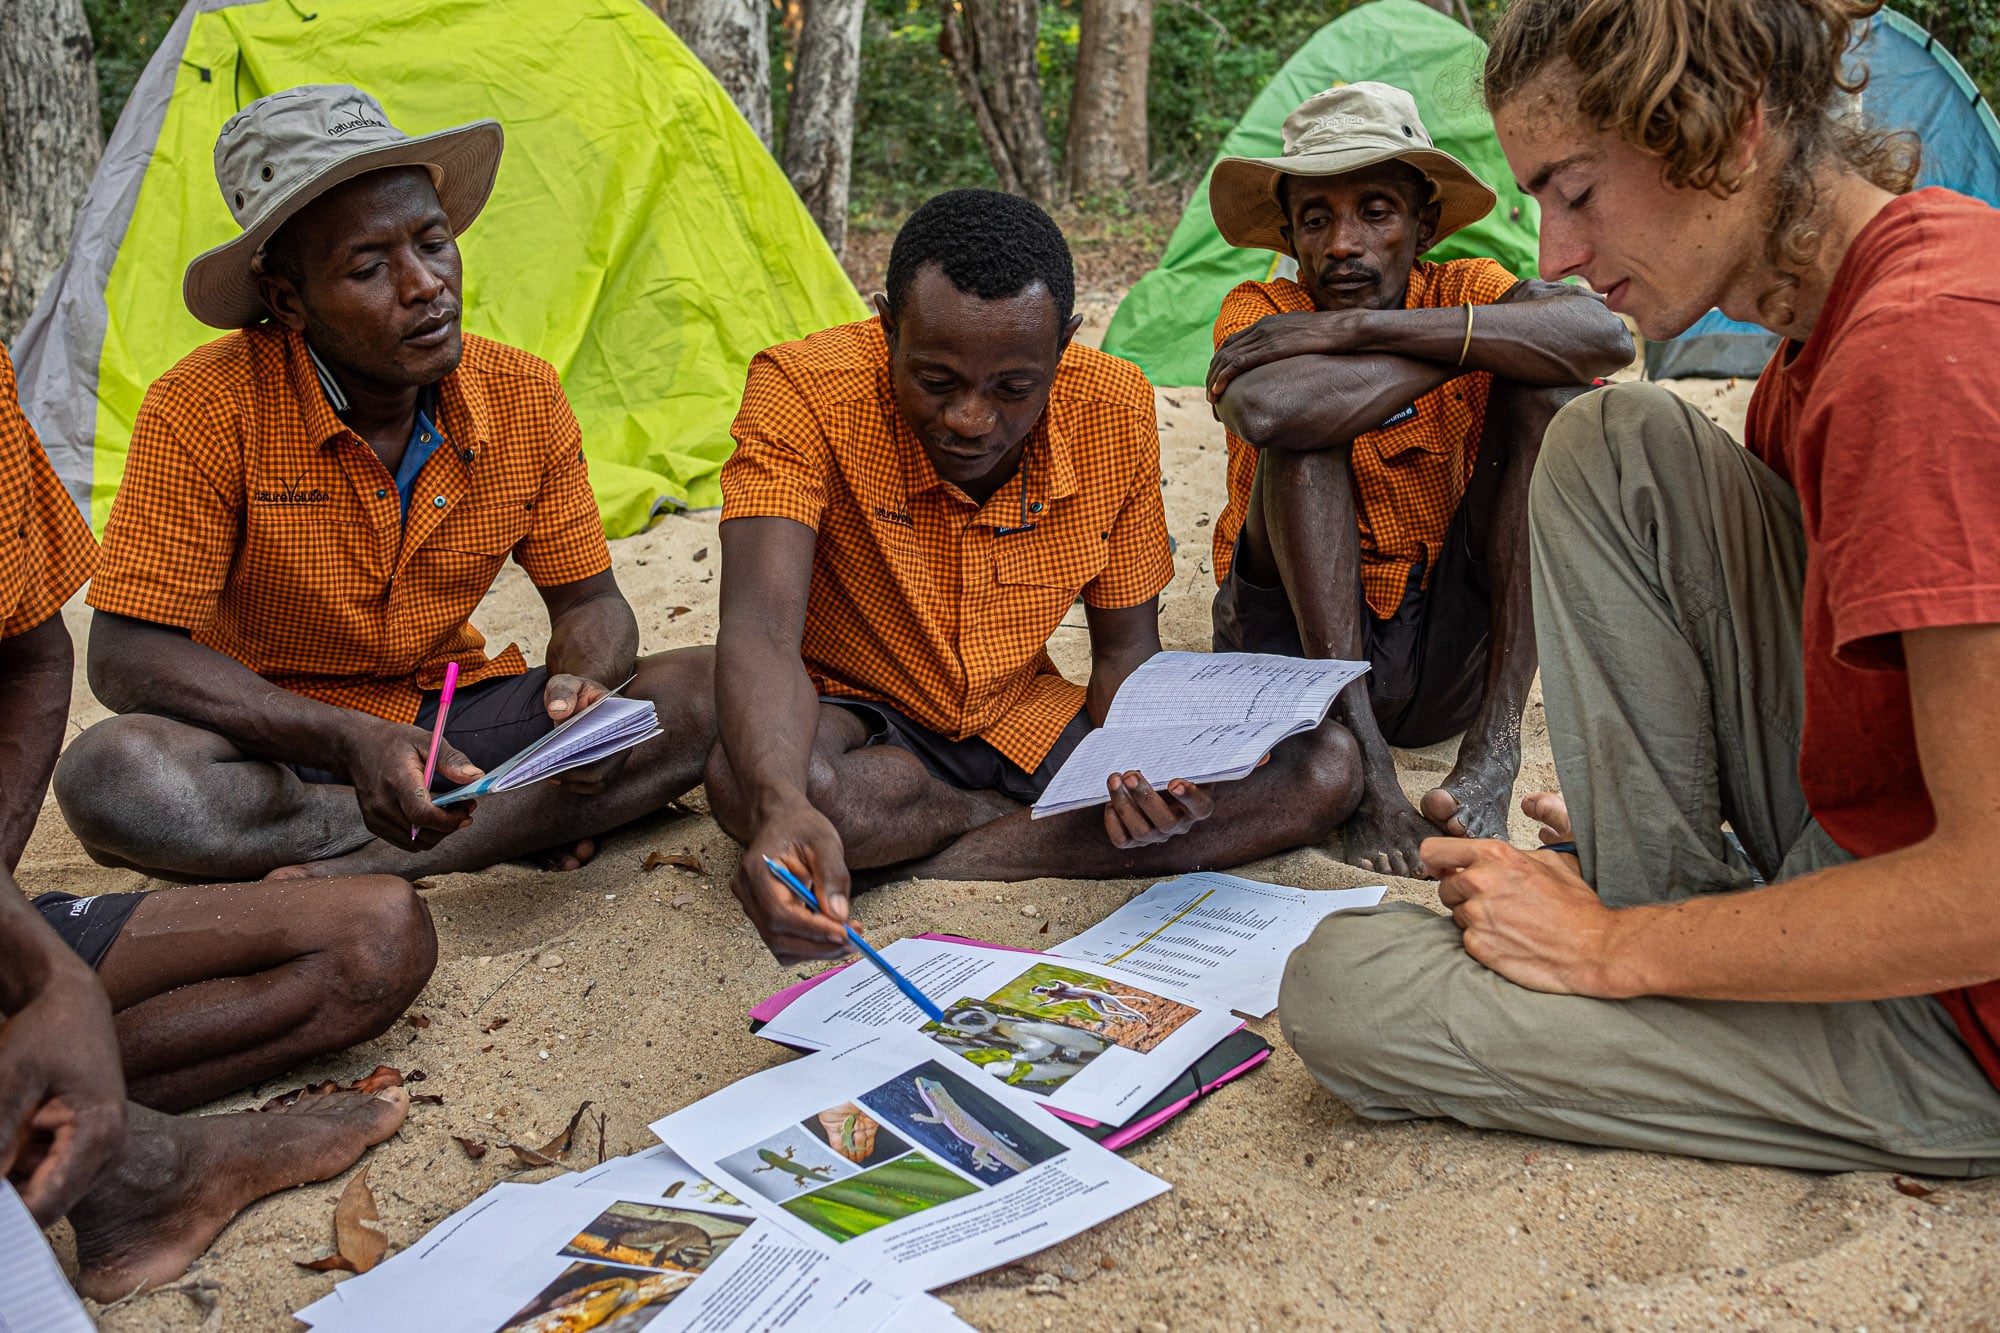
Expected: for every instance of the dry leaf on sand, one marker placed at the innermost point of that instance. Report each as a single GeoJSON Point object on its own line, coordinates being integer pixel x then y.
{"type": "Point", "coordinates": [685, 860]}
{"type": "Point", "coordinates": [473, 1147]}
{"type": "Point", "coordinates": [358, 1236]}
{"type": "Point", "coordinates": [1915, 1189]}
{"type": "Point", "coordinates": [557, 1148]}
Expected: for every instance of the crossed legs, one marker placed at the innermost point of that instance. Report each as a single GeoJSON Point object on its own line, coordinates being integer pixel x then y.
{"type": "Point", "coordinates": [175, 801]}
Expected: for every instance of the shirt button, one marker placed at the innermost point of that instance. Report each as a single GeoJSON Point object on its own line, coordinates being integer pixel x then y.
{"type": "Point", "coordinates": [425, 438]}
{"type": "Point", "coordinates": [439, 502]}
{"type": "Point", "coordinates": [382, 495]}
{"type": "Point", "coordinates": [1035, 508]}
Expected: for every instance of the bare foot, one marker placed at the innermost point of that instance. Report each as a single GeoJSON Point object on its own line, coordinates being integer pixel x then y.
{"type": "Point", "coordinates": [1383, 835]}
{"type": "Point", "coordinates": [1472, 801]}
{"type": "Point", "coordinates": [185, 1177]}
{"type": "Point", "coordinates": [566, 857]}
{"type": "Point", "coordinates": [1552, 812]}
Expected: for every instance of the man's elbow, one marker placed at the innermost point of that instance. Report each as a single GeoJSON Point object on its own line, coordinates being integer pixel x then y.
{"type": "Point", "coordinates": [1611, 349]}
{"type": "Point", "coordinates": [1255, 420]}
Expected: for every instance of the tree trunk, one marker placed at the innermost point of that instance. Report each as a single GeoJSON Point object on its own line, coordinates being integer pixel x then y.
{"type": "Point", "coordinates": [819, 127]}
{"type": "Point", "coordinates": [730, 37]}
{"type": "Point", "coordinates": [990, 45]}
{"type": "Point", "coordinates": [49, 143]}
{"type": "Point", "coordinates": [1107, 109]}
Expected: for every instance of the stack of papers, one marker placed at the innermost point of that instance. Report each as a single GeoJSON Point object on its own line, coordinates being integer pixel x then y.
{"type": "Point", "coordinates": [639, 1242]}
{"type": "Point", "coordinates": [1092, 1043]}
{"type": "Point", "coordinates": [1203, 717]}
{"type": "Point", "coordinates": [611, 724]}
{"type": "Point", "coordinates": [1219, 938]}
{"type": "Point", "coordinates": [916, 1170]}
{"type": "Point", "coordinates": [34, 1294]}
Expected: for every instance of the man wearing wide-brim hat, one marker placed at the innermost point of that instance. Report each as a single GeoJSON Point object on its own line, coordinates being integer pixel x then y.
{"type": "Point", "coordinates": [1384, 414]}
{"type": "Point", "coordinates": [312, 507]}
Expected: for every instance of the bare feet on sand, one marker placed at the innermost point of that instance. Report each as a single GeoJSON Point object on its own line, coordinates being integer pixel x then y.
{"type": "Point", "coordinates": [378, 858]}
{"type": "Point", "coordinates": [185, 1177]}
{"type": "Point", "coordinates": [1383, 835]}
{"type": "Point", "coordinates": [1472, 801]}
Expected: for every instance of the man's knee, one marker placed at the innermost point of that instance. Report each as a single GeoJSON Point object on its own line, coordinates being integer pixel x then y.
{"type": "Point", "coordinates": [1345, 1003]}
{"type": "Point", "coordinates": [125, 780]}
{"type": "Point", "coordinates": [1330, 778]}
{"type": "Point", "coordinates": [385, 955]}
{"type": "Point", "coordinates": [1596, 437]}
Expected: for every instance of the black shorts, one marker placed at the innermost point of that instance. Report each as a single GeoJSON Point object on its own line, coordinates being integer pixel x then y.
{"type": "Point", "coordinates": [88, 925]}
{"type": "Point", "coordinates": [490, 723]}
{"type": "Point", "coordinates": [1426, 663]}
{"type": "Point", "coordinates": [969, 765]}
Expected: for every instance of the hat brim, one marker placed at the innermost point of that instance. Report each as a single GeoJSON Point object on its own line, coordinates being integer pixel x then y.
{"type": "Point", "coordinates": [1243, 192]}
{"type": "Point", "coordinates": [221, 290]}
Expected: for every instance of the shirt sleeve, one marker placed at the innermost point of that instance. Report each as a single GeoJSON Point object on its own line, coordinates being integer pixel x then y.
{"type": "Point", "coordinates": [1246, 303]}
{"type": "Point", "coordinates": [566, 541]}
{"type": "Point", "coordinates": [1902, 476]}
{"type": "Point", "coordinates": [779, 468]}
{"type": "Point", "coordinates": [1140, 563]}
{"type": "Point", "coordinates": [174, 527]}
{"type": "Point", "coordinates": [54, 543]}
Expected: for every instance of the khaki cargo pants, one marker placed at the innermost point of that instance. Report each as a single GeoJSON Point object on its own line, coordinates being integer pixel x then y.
{"type": "Point", "coordinates": [1668, 568]}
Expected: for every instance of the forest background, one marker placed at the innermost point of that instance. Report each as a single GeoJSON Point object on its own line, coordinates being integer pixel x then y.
{"type": "Point", "coordinates": [914, 134]}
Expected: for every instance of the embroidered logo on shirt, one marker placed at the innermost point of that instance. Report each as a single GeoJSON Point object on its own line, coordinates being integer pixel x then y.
{"type": "Point", "coordinates": [1407, 414]}
{"type": "Point", "coordinates": [891, 516]}
{"type": "Point", "coordinates": [292, 495]}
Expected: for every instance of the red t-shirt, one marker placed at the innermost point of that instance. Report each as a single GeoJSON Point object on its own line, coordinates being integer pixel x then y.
{"type": "Point", "coordinates": [1887, 421]}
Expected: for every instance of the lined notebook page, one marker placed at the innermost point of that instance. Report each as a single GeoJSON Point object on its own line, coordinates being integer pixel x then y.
{"type": "Point", "coordinates": [35, 1297]}
{"type": "Point", "coordinates": [1206, 689]}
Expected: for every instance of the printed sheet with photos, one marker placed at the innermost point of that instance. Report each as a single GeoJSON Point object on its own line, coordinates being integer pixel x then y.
{"type": "Point", "coordinates": [1090, 1042]}
{"type": "Point", "coordinates": [640, 1242]}
{"type": "Point", "coordinates": [919, 1171]}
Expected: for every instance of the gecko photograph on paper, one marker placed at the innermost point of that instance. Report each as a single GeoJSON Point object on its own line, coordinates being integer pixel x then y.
{"type": "Point", "coordinates": [649, 1236]}
{"type": "Point", "coordinates": [948, 1116]}
{"type": "Point", "coordinates": [596, 1298]}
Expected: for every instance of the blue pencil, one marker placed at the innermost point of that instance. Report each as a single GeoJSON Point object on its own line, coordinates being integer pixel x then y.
{"type": "Point", "coordinates": [903, 983]}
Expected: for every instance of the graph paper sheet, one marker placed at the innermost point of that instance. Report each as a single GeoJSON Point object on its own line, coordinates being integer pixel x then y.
{"type": "Point", "coordinates": [1202, 717]}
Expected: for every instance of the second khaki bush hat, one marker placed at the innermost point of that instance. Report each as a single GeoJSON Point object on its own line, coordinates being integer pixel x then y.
{"type": "Point", "coordinates": [1332, 133]}
{"type": "Point", "coordinates": [285, 150]}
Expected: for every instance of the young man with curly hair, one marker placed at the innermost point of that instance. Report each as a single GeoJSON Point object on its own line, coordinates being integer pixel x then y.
{"type": "Point", "coordinates": [914, 505]}
{"type": "Point", "coordinates": [1799, 640]}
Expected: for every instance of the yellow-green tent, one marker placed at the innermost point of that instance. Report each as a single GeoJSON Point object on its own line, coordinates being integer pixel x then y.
{"type": "Point", "coordinates": [639, 237]}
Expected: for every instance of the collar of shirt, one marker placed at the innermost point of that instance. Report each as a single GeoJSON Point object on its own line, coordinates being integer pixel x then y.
{"type": "Point", "coordinates": [457, 408]}
{"type": "Point", "coordinates": [1046, 474]}
{"type": "Point", "coordinates": [425, 436]}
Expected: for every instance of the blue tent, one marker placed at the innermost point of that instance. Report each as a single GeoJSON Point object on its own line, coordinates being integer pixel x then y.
{"type": "Point", "coordinates": [1913, 84]}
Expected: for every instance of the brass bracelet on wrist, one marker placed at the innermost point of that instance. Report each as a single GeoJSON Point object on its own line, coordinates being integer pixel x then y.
{"type": "Point", "coordinates": [1467, 345]}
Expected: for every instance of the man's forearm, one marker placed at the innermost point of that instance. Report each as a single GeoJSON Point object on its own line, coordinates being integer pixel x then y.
{"type": "Point", "coordinates": [597, 640]}
{"type": "Point", "coordinates": [1308, 403]}
{"type": "Point", "coordinates": [35, 672]}
{"type": "Point", "coordinates": [1913, 922]}
{"type": "Point", "coordinates": [31, 954]}
{"type": "Point", "coordinates": [1551, 340]}
{"type": "Point", "coordinates": [137, 667]}
{"type": "Point", "coordinates": [768, 715]}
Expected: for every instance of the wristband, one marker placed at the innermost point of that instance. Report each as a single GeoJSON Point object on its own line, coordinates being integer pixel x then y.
{"type": "Point", "coordinates": [1467, 345]}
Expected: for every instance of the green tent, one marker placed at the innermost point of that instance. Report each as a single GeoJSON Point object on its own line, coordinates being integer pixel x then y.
{"type": "Point", "coordinates": [1165, 323]}
{"type": "Point", "coordinates": [639, 237]}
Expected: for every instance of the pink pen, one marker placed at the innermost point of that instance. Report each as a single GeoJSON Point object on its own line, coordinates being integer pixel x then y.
{"type": "Point", "coordinates": [444, 709]}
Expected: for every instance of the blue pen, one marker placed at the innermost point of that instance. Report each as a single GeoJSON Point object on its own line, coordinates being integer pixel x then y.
{"type": "Point", "coordinates": [903, 983]}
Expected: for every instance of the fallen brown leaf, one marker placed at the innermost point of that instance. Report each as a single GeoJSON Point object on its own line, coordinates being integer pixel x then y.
{"type": "Point", "coordinates": [685, 860]}
{"type": "Point", "coordinates": [417, 1020]}
{"type": "Point", "coordinates": [385, 1076]}
{"type": "Point", "coordinates": [358, 1236]}
{"type": "Point", "coordinates": [1044, 930]}
{"type": "Point", "coordinates": [678, 612]}
{"type": "Point", "coordinates": [422, 884]}
{"type": "Point", "coordinates": [429, 1098]}
{"type": "Point", "coordinates": [496, 1024]}
{"type": "Point", "coordinates": [555, 1149]}
{"type": "Point", "coordinates": [701, 555]}
{"type": "Point", "coordinates": [1915, 1189]}
{"type": "Point", "coordinates": [473, 1147]}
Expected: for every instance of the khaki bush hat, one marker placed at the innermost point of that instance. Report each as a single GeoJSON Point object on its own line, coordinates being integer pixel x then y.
{"type": "Point", "coordinates": [1332, 133]}
{"type": "Point", "coordinates": [283, 151]}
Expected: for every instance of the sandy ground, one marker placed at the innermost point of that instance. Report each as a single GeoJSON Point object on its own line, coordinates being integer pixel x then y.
{"type": "Point", "coordinates": [629, 989]}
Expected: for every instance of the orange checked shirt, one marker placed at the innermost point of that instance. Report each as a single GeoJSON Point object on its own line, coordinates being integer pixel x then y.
{"type": "Point", "coordinates": [252, 517]}
{"type": "Point", "coordinates": [45, 546]}
{"type": "Point", "coordinates": [920, 598]}
{"type": "Point", "coordinates": [1409, 478]}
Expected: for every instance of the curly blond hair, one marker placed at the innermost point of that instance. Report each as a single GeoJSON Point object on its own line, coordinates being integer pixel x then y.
{"type": "Point", "coordinates": [1679, 79]}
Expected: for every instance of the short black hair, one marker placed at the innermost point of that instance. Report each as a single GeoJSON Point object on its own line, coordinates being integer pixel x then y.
{"type": "Point", "coordinates": [990, 245]}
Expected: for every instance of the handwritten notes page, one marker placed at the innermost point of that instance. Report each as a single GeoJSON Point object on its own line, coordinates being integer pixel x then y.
{"type": "Point", "coordinates": [1203, 717]}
